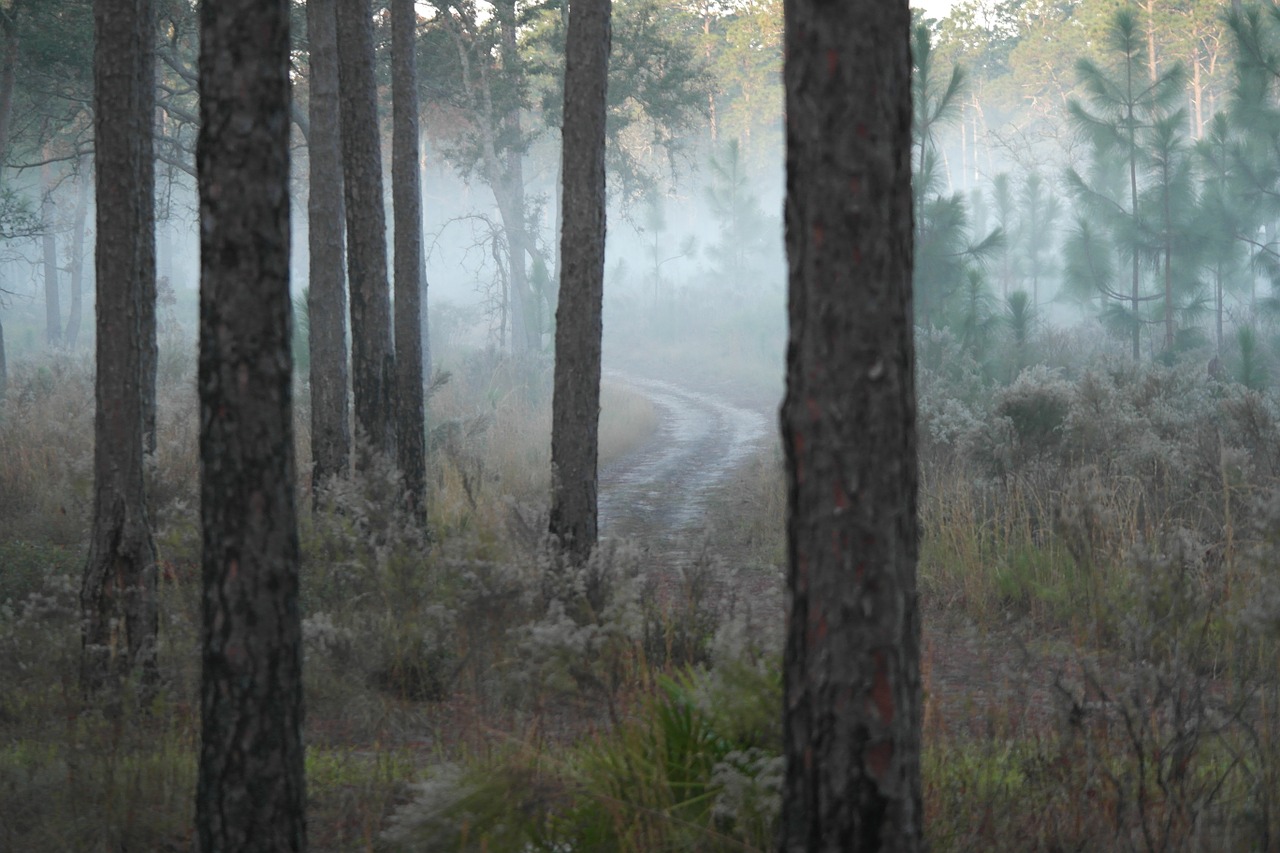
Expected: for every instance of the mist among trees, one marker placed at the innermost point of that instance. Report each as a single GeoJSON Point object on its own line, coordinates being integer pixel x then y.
{"type": "Point", "coordinates": [431, 424]}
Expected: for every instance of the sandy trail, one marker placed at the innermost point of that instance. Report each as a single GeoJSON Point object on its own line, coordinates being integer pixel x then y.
{"type": "Point", "coordinates": [660, 491]}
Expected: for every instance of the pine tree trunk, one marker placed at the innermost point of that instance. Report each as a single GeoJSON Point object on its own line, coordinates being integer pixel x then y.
{"type": "Point", "coordinates": [852, 680]}
{"type": "Point", "coordinates": [526, 332]}
{"type": "Point", "coordinates": [8, 65]}
{"type": "Point", "coordinates": [4, 368]}
{"type": "Point", "coordinates": [410, 274]}
{"type": "Point", "coordinates": [250, 792]}
{"type": "Point", "coordinates": [372, 356]}
{"type": "Point", "coordinates": [8, 74]}
{"type": "Point", "coordinates": [327, 294]}
{"type": "Point", "coordinates": [575, 410]}
{"type": "Point", "coordinates": [49, 244]}
{"type": "Point", "coordinates": [118, 595]}
{"type": "Point", "coordinates": [72, 336]}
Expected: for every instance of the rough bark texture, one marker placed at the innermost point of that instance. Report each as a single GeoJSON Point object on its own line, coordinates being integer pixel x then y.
{"type": "Point", "coordinates": [575, 408]}
{"type": "Point", "coordinates": [327, 296]}
{"type": "Point", "coordinates": [76, 311]}
{"type": "Point", "coordinates": [851, 672]}
{"type": "Point", "coordinates": [250, 793]}
{"type": "Point", "coordinates": [118, 595]}
{"type": "Point", "coordinates": [49, 245]}
{"type": "Point", "coordinates": [410, 273]}
{"type": "Point", "coordinates": [372, 359]}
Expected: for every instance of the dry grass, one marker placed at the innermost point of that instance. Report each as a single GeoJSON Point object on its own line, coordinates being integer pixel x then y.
{"type": "Point", "coordinates": [1151, 570]}
{"type": "Point", "coordinates": [627, 421]}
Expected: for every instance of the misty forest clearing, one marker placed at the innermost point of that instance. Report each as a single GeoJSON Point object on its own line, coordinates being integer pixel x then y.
{"type": "Point", "coordinates": [409, 442]}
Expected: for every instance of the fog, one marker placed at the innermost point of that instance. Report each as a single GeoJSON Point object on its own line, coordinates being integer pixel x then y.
{"type": "Point", "coordinates": [1096, 425]}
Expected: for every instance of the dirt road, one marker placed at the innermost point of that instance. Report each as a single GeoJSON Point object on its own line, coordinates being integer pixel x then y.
{"type": "Point", "coordinates": [660, 491]}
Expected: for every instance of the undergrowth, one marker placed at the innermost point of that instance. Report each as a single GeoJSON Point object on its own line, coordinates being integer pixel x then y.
{"type": "Point", "coordinates": [1115, 524]}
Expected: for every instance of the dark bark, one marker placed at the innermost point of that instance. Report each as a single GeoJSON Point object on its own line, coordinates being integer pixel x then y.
{"type": "Point", "coordinates": [851, 672]}
{"type": "Point", "coordinates": [72, 336]}
{"type": "Point", "coordinates": [118, 596]}
{"type": "Point", "coordinates": [49, 245]}
{"type": "Point", "coordinates": [372, 358]}
{"type": "Point", "coordinates": [250, 793]}
{"type": "Point", "coordinates": [575, 409]}
{"type": "Point", "coordinates": [327, 295]}
{"type": "Point", "coordinates": [410, 272]}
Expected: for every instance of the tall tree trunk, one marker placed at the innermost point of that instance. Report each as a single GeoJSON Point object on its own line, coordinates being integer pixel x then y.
{"type": "Point", "coordinates": [1135, 293]}
{"type": "Point", "coordinates": [250, 790]}
{"type": "Point", "coordinates": [1197, 97]}
{"type": "Point", "coordinates": [1217, 306]}
{"type": "Point", "coordinates": [1150, 8]}
{"type": "Point", "coordinates": [851, 674]}
{"type": "Point", "coordinates": [575, 409]}
{"type": "Point", "coordinates": [72, 336]}
{"type": "Point", "coordinates": [372, 356]}
{"type": "Point", "coordinates": [526, 332]}
{"type": "Point", "coordinates": [118, 596]}
{"type": "Point", "coordinates": [410, 273]}
{"type": "Point", "coordinates": [327, 294]}
{"type": "Point", "coordinates": [49, 244]}
{"type": "Point", "coordinates": [8, 66]}
{"type": "Point", "coordinates": [1169, 332]}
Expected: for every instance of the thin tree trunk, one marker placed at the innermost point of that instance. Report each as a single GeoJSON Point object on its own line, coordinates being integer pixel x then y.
{"type": "Point", "coordinates": [49, 243]}
{"type": "Point", "coordinates": [327, 294]}
{"type": "Point", "coordinates": [526, 332]}
{"type": "Point", "coordinates": [8, 65]}
{"type": "Point", "coordinates": [77, 254]}
{"type": "Point", "coordinates": [1217, 306]}
{"type": "Point", "coordinates": [575, 410]}
{"type": "Point", "coordinates": [4, 368]}
{"type": "Point", "coordinates": [852, 707]}
{"type": "Point", "coordinates": [1197, 98]}
{"type": "Point", "coordinates": [118, 596]}
{"type": "Point", "coordinates": [1133, 200]}
{"type": "Point", "coordinates": [372, 356]}
{"type": "Point", "coordinates": [250, 789]}
{"type": "Point", "coordinates": [410, 273]}
{"type": "Point", "coordinates": [8, 73]}
{"type": "Point", "coordinates": [1151, 39]}
{"type": "Point", "coordinates": [1169, 333]}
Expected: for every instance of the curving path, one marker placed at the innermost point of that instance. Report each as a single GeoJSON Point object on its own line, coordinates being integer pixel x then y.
{"type": "Point", "coordinates": [661, 489]}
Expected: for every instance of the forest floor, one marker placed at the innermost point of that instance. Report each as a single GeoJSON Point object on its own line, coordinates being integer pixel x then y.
{"type": "Point", "coordinates": [673, 493]}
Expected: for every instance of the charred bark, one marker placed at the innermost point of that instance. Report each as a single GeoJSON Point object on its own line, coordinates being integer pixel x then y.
{"type": "Point", "coordinates": [575, 410]}
{"type": "Point", "coordinates": [851, 671]}
{"type": "Point", "coordinates": [250, 793]}
{"type": "Point", "coordinates": [327, 295]}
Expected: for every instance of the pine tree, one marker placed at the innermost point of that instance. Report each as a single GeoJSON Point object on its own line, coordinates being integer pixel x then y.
{"type": "Point", "coordinates": [576, 402]}
{"type": "Point", "coordinates": [851, 674]}
{"type": "Point", "coordinates": [250, 788]}
{"type": "Point", "coordinates": [1123, 100]}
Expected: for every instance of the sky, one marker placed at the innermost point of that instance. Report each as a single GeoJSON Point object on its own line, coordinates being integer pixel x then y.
{"type": "Point", "coordinates": [934, 8]}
